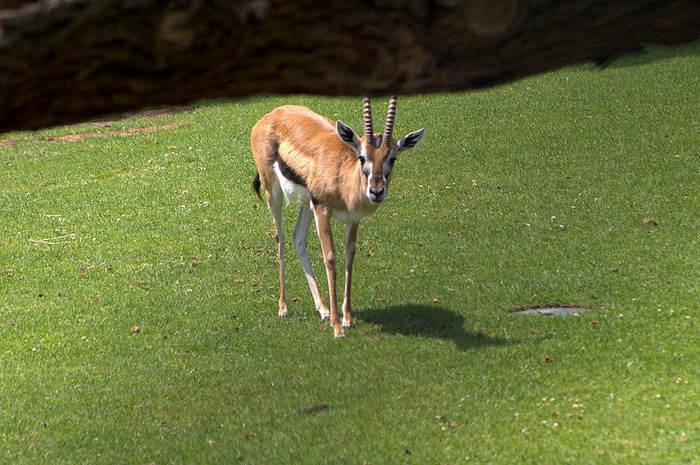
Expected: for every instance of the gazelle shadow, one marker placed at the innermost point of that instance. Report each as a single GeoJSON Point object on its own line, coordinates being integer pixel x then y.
{"type": "Point", "coordinates": [427, 321]}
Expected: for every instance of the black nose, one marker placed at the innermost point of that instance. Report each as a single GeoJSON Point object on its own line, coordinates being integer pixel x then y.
{"type": "Point", "coordinates": [377, 194]}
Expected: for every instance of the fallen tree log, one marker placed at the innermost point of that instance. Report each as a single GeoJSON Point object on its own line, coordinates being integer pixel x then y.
{"type": "Point", "coordinates": [63, 61]}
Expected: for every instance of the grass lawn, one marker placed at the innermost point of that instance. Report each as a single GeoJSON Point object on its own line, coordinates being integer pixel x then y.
{"type": "Point", "coordinates": [138, 286]}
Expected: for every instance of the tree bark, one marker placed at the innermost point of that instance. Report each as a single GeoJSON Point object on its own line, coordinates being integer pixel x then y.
{"type": "Point", "coordinates": [63, 61]}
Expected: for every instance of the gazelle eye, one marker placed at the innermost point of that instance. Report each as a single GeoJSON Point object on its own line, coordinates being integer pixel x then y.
{"type": "Point", "coordinates": [362, 160]}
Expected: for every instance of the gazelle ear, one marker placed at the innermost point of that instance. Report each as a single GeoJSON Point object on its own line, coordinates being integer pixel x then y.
{"type": "Point", "coordinates": [348, 136]}
{"type": "Point", "coordinates": [411, 140]}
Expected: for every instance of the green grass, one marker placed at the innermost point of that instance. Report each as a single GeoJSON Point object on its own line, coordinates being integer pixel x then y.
{"type": "Point", "coordinates": [572, 188]}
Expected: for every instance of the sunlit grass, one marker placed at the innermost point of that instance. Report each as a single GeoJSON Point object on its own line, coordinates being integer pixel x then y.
{"type": "Point", "coordinates": [138, 286]}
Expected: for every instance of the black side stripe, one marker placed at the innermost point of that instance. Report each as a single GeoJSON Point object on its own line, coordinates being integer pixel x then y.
{"type": "Point", "coordinates": [288, 172]}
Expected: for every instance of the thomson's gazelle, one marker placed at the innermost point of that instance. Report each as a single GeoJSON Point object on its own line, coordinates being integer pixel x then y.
{"type": "Point", "coordinates": [325, 168]}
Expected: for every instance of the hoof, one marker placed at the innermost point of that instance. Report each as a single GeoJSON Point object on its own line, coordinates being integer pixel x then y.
{"type": "Point", "coordinates": [348, 324]}
{"type": "Point", "coordinates": [282, 307]}
{"type": "Point", "coordinates": [325, 314]}
{"type": "Point", "coordinates": [340, 334]}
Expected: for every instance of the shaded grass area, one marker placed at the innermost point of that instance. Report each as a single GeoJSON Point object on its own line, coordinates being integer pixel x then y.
{"type": "Point", "coordinates": [138, 286]}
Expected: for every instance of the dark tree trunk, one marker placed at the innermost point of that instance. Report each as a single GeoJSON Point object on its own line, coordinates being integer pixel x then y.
{"type": "Point", "coordinates": [66, 60]}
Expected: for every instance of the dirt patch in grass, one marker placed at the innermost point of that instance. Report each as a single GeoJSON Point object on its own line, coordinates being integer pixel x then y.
{"type": "Point", "coordinates": [106, 122]}
{"type": "Point", "coordinates": [153, 113]}
{"type": "Point", "coordinates": [553, 311]}
{"type": "Point", "coordinates": [121, 132]}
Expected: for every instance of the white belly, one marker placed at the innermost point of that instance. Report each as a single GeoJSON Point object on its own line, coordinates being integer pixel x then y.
{"type": "Point", "coordinates": [294, 193]}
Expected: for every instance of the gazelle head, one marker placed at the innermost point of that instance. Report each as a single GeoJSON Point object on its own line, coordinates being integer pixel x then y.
{"type": "Point", "coordinates": [376, 153]}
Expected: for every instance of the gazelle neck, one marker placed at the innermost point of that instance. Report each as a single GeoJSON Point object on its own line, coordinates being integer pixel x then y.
{"type": "Point", "coordinates": [355, 205]}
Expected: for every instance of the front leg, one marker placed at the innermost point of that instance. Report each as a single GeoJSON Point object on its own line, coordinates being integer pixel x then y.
{"type": "Point", "coordinates": [350, 248]}
{"type": "Point", "coordinates": [325, 234]}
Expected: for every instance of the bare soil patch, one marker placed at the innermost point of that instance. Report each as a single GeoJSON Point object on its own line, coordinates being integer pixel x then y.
{"type": "Point", "coordinates": [553, 311]}
{"type": "Point", "coordinates": [121, 132]}
{"type": "Point", "coordinates": [106, 122]}
{"type": "Point", "coordinates": [153, 113]}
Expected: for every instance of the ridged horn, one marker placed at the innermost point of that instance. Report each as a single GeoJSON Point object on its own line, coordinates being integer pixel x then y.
{"type": "Point", "coordinates": [367, 117]}
{"type": "Point", "coordinates": [390, 115]}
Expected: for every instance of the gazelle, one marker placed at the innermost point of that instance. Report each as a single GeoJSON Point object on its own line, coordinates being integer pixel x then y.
{"type": "Point", "coordinates": [328, 171]}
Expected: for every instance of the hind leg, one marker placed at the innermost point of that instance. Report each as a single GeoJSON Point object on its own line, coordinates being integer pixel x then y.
{"type": "Point", "coordinates": [275, 202]}
{"type": "Point", "coordinates": [299, 236]}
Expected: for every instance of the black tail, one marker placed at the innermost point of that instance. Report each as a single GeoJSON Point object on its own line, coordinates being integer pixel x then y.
{"type": "Point", "coordinates": [256, 184]}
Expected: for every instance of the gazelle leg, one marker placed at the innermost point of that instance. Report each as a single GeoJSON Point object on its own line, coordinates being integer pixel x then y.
{"type": "Point", "coordinates": [299, 236]}
{"type": "Point", "coordinates": [350, 247]}
{"type": "Point", "coordinates": [325, 234]}
{"type": "Point", "coordinates": [275, 204]}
